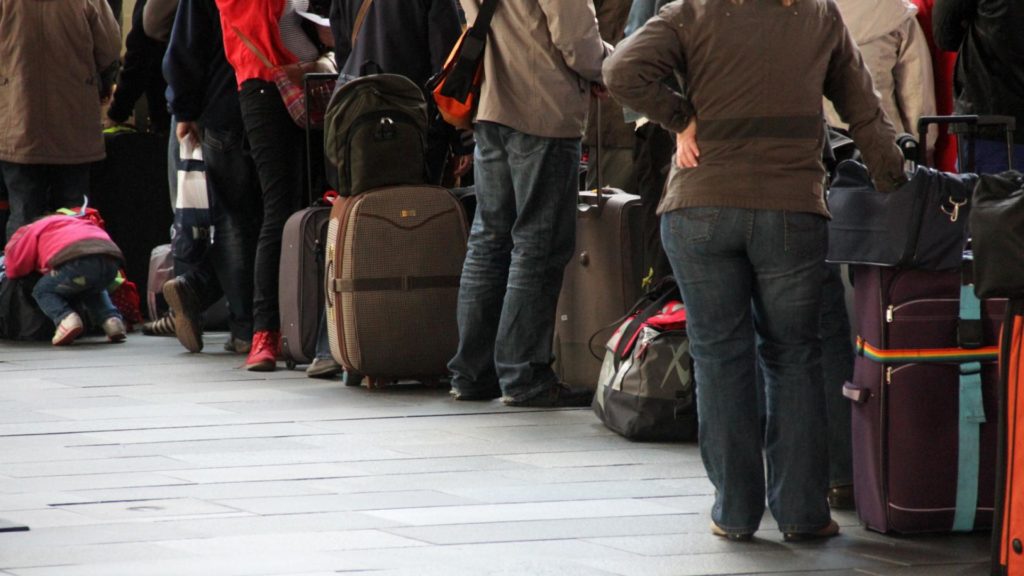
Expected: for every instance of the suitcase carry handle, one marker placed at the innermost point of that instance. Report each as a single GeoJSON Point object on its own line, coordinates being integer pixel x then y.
{"type": "Point", "coordinates": [969, 124]}
{"type": "Point", "coordinates": [855, 393]}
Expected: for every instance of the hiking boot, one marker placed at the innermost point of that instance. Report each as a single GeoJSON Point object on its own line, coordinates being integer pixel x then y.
{"type": "Point", "coordinates": [829, 530]}
{"type": "Point", "coordinates": [185, 311]}
{"type": "Point", "coordinates": [841, 498]}
{"type": "Point", "coordinates": [732, 536]}
{"type": "Point", "coordinates": [263, 356]}
{"type": "Point", "coordinates": [162, 326]}
{"type": "Point", "coordinates": [557, 396]}
{"type": "Point", "coordinates": [68, 329]}
{"type": "Point", "coordinates": [113, 327]}
{"type": "Point", "coordinates": [325, 368]}
{"type": "Point", "coordinates": [237, 346]}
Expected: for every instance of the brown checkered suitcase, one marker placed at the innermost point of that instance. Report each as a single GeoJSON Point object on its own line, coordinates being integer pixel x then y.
{"type": "Point", "coordinates": [394, 258]}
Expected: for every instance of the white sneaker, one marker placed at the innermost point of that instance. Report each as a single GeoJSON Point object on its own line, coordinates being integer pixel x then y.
{"type": "Point", "coordinates": [68, 329]}
{"type": "Point", "coordinates": [113, 327]}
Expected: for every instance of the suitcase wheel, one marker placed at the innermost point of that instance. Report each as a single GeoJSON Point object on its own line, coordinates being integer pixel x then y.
{"type": "Point", "coordinates": [352, 378]}
{"type": "Point", "coordinates": [290, 364]}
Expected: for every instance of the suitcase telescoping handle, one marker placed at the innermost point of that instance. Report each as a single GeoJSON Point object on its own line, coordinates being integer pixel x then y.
{"type": "Point", "coordinates": [583, 206]}
{"type": "Point", "coordinates": [969, 125]}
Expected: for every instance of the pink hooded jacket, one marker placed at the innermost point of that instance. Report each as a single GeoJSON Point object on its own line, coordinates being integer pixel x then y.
{"type": "Point", "coordinates": [49, 242]}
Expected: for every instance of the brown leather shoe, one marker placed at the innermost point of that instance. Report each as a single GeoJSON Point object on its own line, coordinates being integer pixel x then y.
{"type": "Point", "coordinates": [841, 497]}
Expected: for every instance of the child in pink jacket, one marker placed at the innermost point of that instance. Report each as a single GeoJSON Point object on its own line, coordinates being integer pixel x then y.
{"type": "Point", "coordinates": [78, 261]}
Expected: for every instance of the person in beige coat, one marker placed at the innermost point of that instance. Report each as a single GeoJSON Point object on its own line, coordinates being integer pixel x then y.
{"type": "Point", "coordinates": [57, 62]}
{"type": "Point", "coordinates": [895, 50]}
{"type": "Point", "coordinates": [541, 60]}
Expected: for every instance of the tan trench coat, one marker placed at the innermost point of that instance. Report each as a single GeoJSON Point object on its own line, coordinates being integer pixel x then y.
{"type": "Point", "coordinates": [51, 52]}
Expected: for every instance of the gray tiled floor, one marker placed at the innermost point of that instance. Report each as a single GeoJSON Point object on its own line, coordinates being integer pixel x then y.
{"type": "Point", "coordinates": [139, 459]}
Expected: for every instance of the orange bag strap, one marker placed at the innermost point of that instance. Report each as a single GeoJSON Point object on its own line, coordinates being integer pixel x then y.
{"type": "Point", "coordinates": [364, 9]}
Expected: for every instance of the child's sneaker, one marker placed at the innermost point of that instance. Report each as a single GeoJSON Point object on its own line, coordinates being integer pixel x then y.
{"type": "Point", "coordinates": [68, 329]}
{"type": "Point", "coordinates": [113, 327]}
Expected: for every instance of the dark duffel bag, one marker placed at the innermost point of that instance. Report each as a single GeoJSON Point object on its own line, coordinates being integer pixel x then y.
{"type": "Point", "coordinates": [997, 228]}
{"type": "Point", "coordinates": [20, 316]}
{"type": "Point", "coordinates": [923, 224]}
{"type": "Point", "coordinates": [646, 390]}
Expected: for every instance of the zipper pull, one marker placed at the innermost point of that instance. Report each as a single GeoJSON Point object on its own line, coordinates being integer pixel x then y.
{"type": "Point", "coordinates": [889, 314]}
{"type": "Point", "coordinates": [888, 375]}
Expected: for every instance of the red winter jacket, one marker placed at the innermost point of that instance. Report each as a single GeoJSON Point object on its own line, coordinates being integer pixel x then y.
{"type": "Point", "coordinates": [49, 242]}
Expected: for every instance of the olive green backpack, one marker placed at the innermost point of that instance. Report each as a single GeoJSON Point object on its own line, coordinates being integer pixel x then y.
{"type": "Point", "coordinates": [375, 134]}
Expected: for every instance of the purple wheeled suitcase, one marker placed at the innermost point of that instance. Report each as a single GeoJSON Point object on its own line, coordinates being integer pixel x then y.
{"type": "Point", "coordinates": [924, 436]}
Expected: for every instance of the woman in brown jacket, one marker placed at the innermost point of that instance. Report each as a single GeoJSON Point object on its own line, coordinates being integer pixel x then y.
{"type": "Point", "coordinates": [57, 61]}
{"type": "Point", "coordinates": [744, 226]}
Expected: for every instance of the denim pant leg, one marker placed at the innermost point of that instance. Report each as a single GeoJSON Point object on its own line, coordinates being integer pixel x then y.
{"type": "Point", "coordinates": [991, 156]}
{"type": "Point", "coordinates": [707, 250]}
{"type": "Point", "coordinates": [787, 251]}
{"type": "Point", "coordinates": [27, 191]}
{"type": "Point", "coordinates": [544, 174]}
{"type": "Point", "coordinates": [485, 270]}
{"type": "Point", "coordinates": [277, 148]}
{"type": "Point", "coordinates": [235, 205]}
{"type": "Point", "coordinates": [837, 368]}
{"type": "Point", "coordinates": [83, 280]}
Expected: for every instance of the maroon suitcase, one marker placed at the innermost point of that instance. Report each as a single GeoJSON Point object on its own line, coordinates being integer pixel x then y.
{"type": "Point", "coordinates": [906, 414]}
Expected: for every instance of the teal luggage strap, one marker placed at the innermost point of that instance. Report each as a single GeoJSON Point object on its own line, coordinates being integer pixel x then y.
{"type": "Point", "coordinates": [972, 415]}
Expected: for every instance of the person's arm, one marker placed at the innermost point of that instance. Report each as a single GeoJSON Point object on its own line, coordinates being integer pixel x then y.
{"type": "Point", "coordinates": [341, 27]}
{"type": "Point", "coordinates": [849, 86]}
{"type": "Point", "coordinates": [106, 40]}
{"type": "Point", "coordinates": [443, 31]}
{"type": "Point", "coordinates": [950, 19]}
{"type": "Point", "coordinates": [915, 82]}
{"type": "Point", "coordinates": [158, 18]}
{"type": "Point", "coordinates": [141, 62]}
{"type": "Point", "coordinates": [573, 28]}
{"type": "Point", "coordinates": [185, 64]}
{"type": "Point", "coordinates": [635, 73]}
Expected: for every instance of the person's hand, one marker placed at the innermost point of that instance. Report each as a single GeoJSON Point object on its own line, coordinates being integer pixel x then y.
{"type": "Point", "coordinates": [187, 129]}
{"type": "Point", "coordinates": [598, 91]}
{"type": "Point", "coordinates": [463, 164]}
{"type": "Point", "coordinates": [687, 153]}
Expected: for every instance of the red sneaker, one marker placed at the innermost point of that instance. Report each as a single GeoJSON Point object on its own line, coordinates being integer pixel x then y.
{"type": "Point", "coordinates": [264, 351]}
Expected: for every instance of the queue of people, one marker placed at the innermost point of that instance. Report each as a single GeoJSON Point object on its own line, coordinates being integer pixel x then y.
{"type": "Point", "coordinates": [712, 110]}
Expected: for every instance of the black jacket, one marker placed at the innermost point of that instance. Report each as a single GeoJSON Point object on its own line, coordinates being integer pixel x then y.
{"type": "Point", "coordinates": [141, 75]}
{"type": "Point", "coordinates": [407, 37]}
{"type": "Point", "coordinates": [201, 83]}
{"type": "Point", "coordinates": [989, 35]}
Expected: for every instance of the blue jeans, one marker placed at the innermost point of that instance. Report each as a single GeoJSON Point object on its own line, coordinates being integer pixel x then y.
{"type": "Point", "coordinates": [837, 367]}
{"type": "Point", "coordinates": [522, 237]}
{"type": "Point", "coordinates": [991, 157]}
{"type": "Point", "coordinates": [83, 280]}
{"type": "Point", "coordinates": [34, 189]}
{"type": "Point", "coordinates": [746, 275]}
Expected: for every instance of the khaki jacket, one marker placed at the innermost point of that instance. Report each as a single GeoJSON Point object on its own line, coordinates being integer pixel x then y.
{"type": "Point", "coordinates": [754, 75]}
{"type": "Point", "coordinates": [51, 55]}
{"type": "Point", "coordinates": [540, 59]}
{"type": "Point", "coordinates": [896, 52]}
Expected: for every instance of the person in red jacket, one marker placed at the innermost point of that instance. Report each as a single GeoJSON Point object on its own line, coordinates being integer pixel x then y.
{"type": "Point", "coordinates": [78, 261]}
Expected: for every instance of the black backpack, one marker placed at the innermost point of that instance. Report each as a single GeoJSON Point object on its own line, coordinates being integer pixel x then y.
{"type": "Point", "coordinates": [375, 134]}
{"type": "Point", "coordinates": [20, 316]}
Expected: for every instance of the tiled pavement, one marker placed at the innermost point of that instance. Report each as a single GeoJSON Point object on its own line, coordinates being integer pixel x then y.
{"type": "Point", "coordinates": [139, 459]}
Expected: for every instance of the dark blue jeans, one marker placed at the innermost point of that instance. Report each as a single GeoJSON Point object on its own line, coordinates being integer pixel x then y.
{"type": "Point", "coordinates": [277, 146]}
{"type": "Point", "coordinates": [83, 280]}
{"type": "Point", "coordinates": [746, 276]}
{"type": "Point", "coordinates": [34, 189]}
{"type": "Point", "coordinates": [522, 236]}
